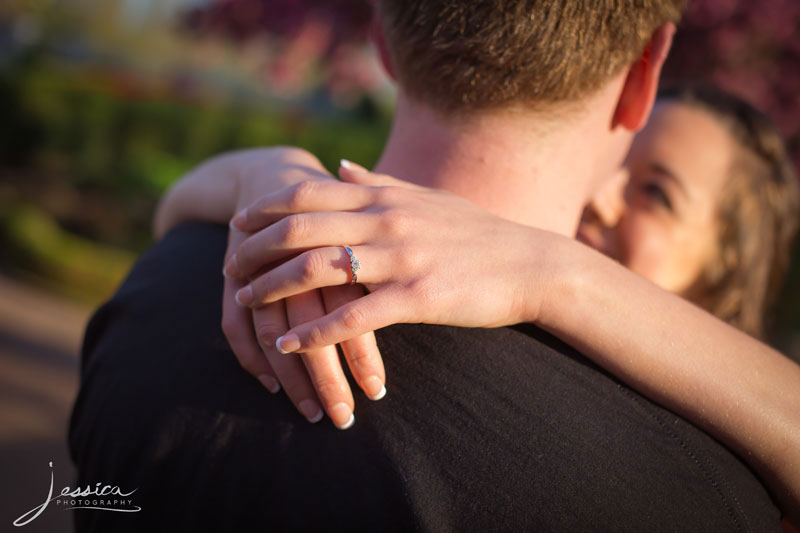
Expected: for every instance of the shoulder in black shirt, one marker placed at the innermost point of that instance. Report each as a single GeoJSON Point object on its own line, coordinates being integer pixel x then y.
{"type": "Point", "coordinates": [482, 430]}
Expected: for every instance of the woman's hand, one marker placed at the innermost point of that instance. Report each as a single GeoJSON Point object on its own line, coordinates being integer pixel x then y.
{"type": "Point", "coordinates": [316, 381]}
{"type": "Point", "coordinates": [214, 192]}
{"type": "Point", "coordinates": [423, 254]}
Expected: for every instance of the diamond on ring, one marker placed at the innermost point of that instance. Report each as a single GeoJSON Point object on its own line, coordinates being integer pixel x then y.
{"type": "Point", "coordinates": [355, 265]}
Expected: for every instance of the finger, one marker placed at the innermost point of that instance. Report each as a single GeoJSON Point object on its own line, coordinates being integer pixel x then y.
{"type": "Point", "coordinates": [372, 312]}
{"type": "Point", "coordinates": [314, 269]}
{"type": "Point", "coordinates": [297, 233]}
{"type": "Point", "coordinates": [268, 323]}
{"type": "Point", "coordinates": [238, 330]}
{"type": "Point", "coordinates": [350, 172]}
{"type": "Point", "coordinates": [362, 353]}
{"type": "Point", "coordinates": [237, 326]}
{"type": "Point", "coordinates": [304, 197]}
{"type": "Point", "coordinates": [323, 365]}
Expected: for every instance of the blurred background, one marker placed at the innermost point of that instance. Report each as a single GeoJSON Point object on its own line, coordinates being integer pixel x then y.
{"type": "Point", "coordinates": [104, 103]}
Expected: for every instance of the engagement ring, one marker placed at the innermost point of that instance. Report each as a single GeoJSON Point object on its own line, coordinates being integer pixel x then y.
{"type": "Point", "coordinates": [355, 265]}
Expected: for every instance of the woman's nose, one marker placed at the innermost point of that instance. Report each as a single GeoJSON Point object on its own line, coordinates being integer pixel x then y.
{"type": "Point", "coordinates": [608, 203]}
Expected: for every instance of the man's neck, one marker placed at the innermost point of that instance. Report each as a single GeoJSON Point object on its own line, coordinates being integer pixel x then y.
{"type": "Point", "coordinates": [526, 170]}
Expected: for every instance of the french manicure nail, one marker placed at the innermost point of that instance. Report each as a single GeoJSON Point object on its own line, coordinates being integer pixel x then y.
{"type": "Point", "coordinates": [374, 383]}
{"type": "Point", "coordinates": [244, 296]}
{"type": "Point", "coordinates": [349, 165]}
{"type": "Point", "coordinates": [270, 383]}
{"type": "Point", "coordinates": [288, 343]}
{"type": "Point", "coordinates": [231, 268]}
{"type": "Point", "coordinates": [311, 410]}
{"type": "Point", "coordinates": [342, 411]}
{"type": "Point", "coordinates": [380, 394]}
{"type": "Point", "coordinates": [239, 220]}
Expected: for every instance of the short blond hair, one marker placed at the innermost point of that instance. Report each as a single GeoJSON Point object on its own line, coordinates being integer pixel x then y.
{"type": "Point", "coordinates": [456, 54]}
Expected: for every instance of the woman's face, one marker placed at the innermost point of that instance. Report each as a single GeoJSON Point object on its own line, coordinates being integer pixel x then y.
{"type": "Point", "coordinates": [662, 223]}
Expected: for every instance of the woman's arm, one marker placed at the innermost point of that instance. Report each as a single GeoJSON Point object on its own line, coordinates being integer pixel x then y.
{"type": "Point", "coordinates": [425, 253]}
{"type": "Point", "coordinates": [734, 387]}
{"type": "Point", "coordinates": [213, 191]}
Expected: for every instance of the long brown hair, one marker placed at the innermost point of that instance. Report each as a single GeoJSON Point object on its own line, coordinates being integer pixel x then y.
{"type": "Point", "coordinates": [757, 214]}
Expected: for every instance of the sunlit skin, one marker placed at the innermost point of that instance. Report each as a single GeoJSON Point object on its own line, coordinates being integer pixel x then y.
{"type": "Point", "coordinates": [663, 226]}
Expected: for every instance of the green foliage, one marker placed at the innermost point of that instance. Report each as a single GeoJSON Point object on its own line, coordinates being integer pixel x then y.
{"type": "Point", "coordinates": [126, 144]}
{"type": "Point", "coordinates": [109, 134]}
{"type": "Point", "coordinates": [75, 266]}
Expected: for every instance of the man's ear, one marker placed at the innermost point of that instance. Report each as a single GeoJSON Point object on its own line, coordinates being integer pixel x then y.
{"type": "Point", "coordinates": [376, 33]}
{"type": "Point", "coordinates": [641, 85]}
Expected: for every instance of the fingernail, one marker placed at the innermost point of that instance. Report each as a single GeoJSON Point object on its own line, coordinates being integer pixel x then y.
{"type": "Point", "coordinates": [349, 165]}
{"type": "Point", "coordinates": [288, 343]}
{"type": "Point", "coordinates": [311, 410]}
{"type": "Point", "coordinates": [374, 383]}
{"type": "Point", "coordinates": [231, 269]}
{"type": "Point", "coordinates": [270, 383]}
{"type": "Point", "coordinates": [244, 296]}
{"type": "Point", "coordinates": [342, 411]}
{"type": "Point", "coordinates": [240, 219]}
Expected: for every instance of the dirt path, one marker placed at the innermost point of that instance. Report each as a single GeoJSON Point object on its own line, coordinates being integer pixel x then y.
{"type": "Point", "coordinates": [40, 337]}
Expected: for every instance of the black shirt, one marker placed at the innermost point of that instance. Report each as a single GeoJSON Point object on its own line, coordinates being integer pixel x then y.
{"type": "Point", "coordinates": [481, 430]}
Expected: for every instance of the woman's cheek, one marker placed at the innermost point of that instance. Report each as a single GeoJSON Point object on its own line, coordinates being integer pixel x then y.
{"type": "Point", "coordinates": [645, 248]}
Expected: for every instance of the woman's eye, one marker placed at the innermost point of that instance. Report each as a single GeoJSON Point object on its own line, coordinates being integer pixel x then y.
{"type": "Point", "coordinates": [657, 193]}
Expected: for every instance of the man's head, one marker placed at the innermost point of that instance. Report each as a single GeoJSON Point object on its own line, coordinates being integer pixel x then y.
{"type": "Point", "coordinates": [523, 106]}
{"type": "Point", "coordinates": [454, 55]}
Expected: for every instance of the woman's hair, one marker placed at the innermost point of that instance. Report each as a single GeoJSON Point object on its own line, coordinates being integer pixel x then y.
{"type": "Point", "coordinates": [757, 213]}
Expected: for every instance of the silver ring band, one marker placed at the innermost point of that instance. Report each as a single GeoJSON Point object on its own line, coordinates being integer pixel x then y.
{"type": "Point", "coordinates": [355, 265]}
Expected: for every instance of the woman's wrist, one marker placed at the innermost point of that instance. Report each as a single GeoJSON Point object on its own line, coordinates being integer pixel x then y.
{"type": "Point", "coordinates": [548, 268]}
